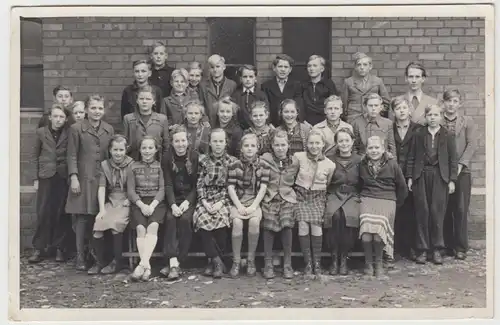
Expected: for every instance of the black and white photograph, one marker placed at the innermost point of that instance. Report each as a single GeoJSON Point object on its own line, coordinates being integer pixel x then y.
{"type": "Point", "coordinates": [283, 159]}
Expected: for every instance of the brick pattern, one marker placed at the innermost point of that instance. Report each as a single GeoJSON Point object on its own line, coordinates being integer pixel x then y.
{"type": "Point", "coordinates": [268, 43]}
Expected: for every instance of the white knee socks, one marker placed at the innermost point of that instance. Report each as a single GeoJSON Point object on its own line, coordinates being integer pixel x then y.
{"type": "Point", "coordinates": [149, 246]}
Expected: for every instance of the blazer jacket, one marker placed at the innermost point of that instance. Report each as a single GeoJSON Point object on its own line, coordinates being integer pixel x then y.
{"type": "Point", "coordinates": [49, 157]}
{"type": "Point", "coordinates": [314, 97]}
{"type": "Point", "coordinates": [174, 106]}
{"type": "Point", "coordinates": [208, 95]}
{"type": "Point", "coordinates": [239, 97]}
{"type": "Point", "coordinates": [292, 90]}
{"type": "Point", "coordinates": [466, 139]}
{"type": "Point", "coordinates": [328, 133]}
{"type": "Point", "coordinates": [403, 145]}
{"type": "Point", "coordinates": [135, 130]}
{"type": "Point", "coordinates": [161, 79]}
{"type": "Point", "coordinates": [363, 130]}
{"type": "Point", "coordinates": [417, 113]}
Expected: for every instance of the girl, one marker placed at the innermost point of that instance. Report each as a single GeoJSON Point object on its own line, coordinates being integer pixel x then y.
{"type": "Point", "coordinates": [332, 123]}
{"type": "Point", "coordinates": [297, 132]}
{"type": "Point", "coordinates": [259, 114]}
{"type": "Point", "coordinates": [195, 71]}
{"type": "Point", "coordinates": [315, 172]}
{"type": "Point", "coordinates": [146, 192]}
{"type": "Point", "coordinates": [179, 96]}
{"type": "Point", "coordinates": [113, 205]}
{"type": "Point", "coordinates": [180, 169]}
{"type": "Point", "coordinates": [382, 189]}
{"type": "Point", "coordinates": [342, 207]}
{"type": "Point", "coordinates": [78, 111]}
{"type": "Point", "coordinates": [198, 131]}
{"type": "Point", "coordinates": [63, 96]}
{"type": "Point", "coordinates": [277, 206]}
{"type": "Point", "coordinates": [146, 122]}
{"type": "Point", "coordinates": [247, 183]}
{"type": "Point", "coordinates": [431, 172]}
{"type": "Point", "coordinates": [211, 216]}
{"type": "Point", "coordinates": [51, 184]}
{"type": "Point", "coordinates": [87, 147]}
{"type": "Point", "coordinates": [227, 112]}
{"type": "Point", "coordinates": [161, 72]}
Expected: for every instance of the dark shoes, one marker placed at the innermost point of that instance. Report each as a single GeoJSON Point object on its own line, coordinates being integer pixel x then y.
{"type": "Point", "coordinates": [36, 257]}
{"type": "Point", "coordinates": [218, 267]}
{"type": "Point", "coordinates": [287, 271]}
{"type": "Point", "coordinates": [81, 263]}
{"type": "Point", "coordinates": [251, 269]}
{"type": "Point", "coordinates": [95, 269]}
{"type": "Point", "coordinates": [308, 270]}
{"type": "Point", "coordinates": [111, 268]}
{"type": "Point", "coordinates": [166, 271]}
{"type": "Point", "coordinates": [422, 258]}
{"type": "Point", "coordinates": [343, 270]}
{"type": "Point", "coordinates": [235, 270]}
{"type": "Point", "coordinates": [460, 256]}
{"type": "Point", "coordinates": [334, 267]}
{"type": "Point", "coordinates": [174, 274]}
{"type": "Point", "coordinates": [60, 256]}
{"type": "Point", "coordinates": [268, 272]}
{"type": "Point", "coordinates": [209, 269]}
{"type": "Point", "coordinates": [437, 258]}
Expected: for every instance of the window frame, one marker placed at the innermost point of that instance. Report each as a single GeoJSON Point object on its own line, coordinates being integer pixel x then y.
{"type": "Point", "coordinates": [31, 62]}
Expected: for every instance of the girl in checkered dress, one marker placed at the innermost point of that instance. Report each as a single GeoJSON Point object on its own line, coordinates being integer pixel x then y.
{"type": "Point", "coordinates": [211, 216]}
{"type": "Point", "coordinates": [315, 173]}
{"type": "Point", "coordinates": [289, 122]}
{"type": "Point", "coordinates": [259, 115]}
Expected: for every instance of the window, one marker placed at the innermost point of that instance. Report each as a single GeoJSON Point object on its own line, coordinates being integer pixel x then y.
{"type": "Point", "coordinates": [32, 98]}
{"type": "Point", "coordinates": [234, 39]}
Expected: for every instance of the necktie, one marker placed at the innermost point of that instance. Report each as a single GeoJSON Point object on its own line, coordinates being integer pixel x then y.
{"type": "Point", "coordinates": [247, 93]}
{"type": "Point", "coordinates": [414, 102]}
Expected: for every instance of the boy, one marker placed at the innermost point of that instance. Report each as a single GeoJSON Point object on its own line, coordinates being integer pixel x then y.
{"type": "Point", "coordinates": [281, 88]}
{"type": "Point", "coordinates": [316, 90]}
{"type": "Point", "coordinates": [333, 112]}
{"type": "Point", "coordinates": [161, 72]}
{"type": "Point", "coordinates": [247, 94]}
{"type": "Point", "coordinates": [179, 97]}
{"type": "Point", "coordinates": [215, 86]}
{"type": "Point", "coordinates": [465, 132]}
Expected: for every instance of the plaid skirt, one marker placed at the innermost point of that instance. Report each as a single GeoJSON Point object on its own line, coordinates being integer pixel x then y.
{"type": "Point", "coordinates": [377, 217]}
{"type": "Point", "coordinates": [206, 221]}
{"type": "Point", "coordinates": [310, 206]}
{"type": "Point", "coordinates": [277, 214]}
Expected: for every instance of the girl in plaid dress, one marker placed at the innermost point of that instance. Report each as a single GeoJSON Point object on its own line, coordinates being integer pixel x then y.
{"type": "Point", "coordinates": [289, 122]}
{"type": "Point", "coordinates": [247, 183]}
{"type": "Point", "coordinates": [211, 216]}
{"type": "Point", "coordinates": [315, 172]}
{"type": "Point", "coordinates": [259, 115]}
{"type": "Point", "coordinates": [277, 206]}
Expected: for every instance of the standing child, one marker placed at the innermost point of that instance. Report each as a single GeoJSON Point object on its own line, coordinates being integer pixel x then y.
{"type": "Point", "coordinates": [198, 132]}
{"type": "Point", "coordinates": [360, 84]}
{"type": "Point", "coordinates": [372, 124]}
{"type": "Point", "coordinates": [161, 72]}
{"type": "Point", "coordinates": [247, 184]}
{"type": "Point", "coordinates": [211, 216]}
{"type": "Point", "coordinates": [383, 188]}
{"type": "Point", "coordinates": [465, 131]}
{"type": "Point", "coordinates": [278, 203]}
{"type": "Point", "coordinates": [246, 94]}
{"type": "Point", "coordinates": [316, 90]}
{"type": "Point", "coordinates": [342, 206]}
{"type": "Point", "coordinates": [51, 184]}
{"type": "Point", "coordinates": [215, 87]}
{"type": "Point", "coordinates": [315, 173]}
{"type": "Point", "coordinates": [142, 72]}
{"type": "Point", "coordinates": [63, 96]}
{"type": "Point", "coordinates": [179, 96]}
{"type": "Point", "coordinates": [146, 122]}
{"type": "Point", "coordinates": [289, 122]}
{"type": "Point", "coordinates": [227, 112]}
{"type": "Point", "coordinates": [259, 115]}
{"type": "Point", "coordinates": [332, 123]}
{"type": "Point", "coordinates": [114, 206]}
{"type": "Point", "coordinates": [431, 172]}
{"type": "Point", "coordinates": [195, 71]}
{"type": "Point", "coordinates": [146, 192]}
{"type": "Point", "coordinates": [87, 147]}
{"type": "Point", "coordinates": [78, 110]}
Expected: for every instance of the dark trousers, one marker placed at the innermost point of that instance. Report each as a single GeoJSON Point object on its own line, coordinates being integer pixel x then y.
{"type": "Point", "coordinates": [404, 227]}
{"type": "Point", "coordinates": [340, 237]}
{"type": "Point", "coordinates": [178, 234]}
{"type": "Point", "coordinates": [430, 194]}
{"type": "Point", "coordinates": [455, 222]}
{"type": "Point", "coordinates": [52, 224]}
{"type": "Point", "coordinates": [214, 242]}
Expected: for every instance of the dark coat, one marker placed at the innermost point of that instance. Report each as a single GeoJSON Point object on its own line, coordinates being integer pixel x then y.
{"type": "Point", "coordinates": [180, 186]}
{"type": "Point", "coordinates": [161, 79]}
{"type": "Point", "coordinates": [314, 97]}
{"type": "Point", "coordinates": [208, 96]}
{"type": "Point", "coordinates": [244, 114]}
{"type": "Point", "coordinates": [403, 145]}
{"type": "Point", "coordinates": [49, 157]}
{"type": "Point", "coordinates": [292, 90]}
{"type": "Point", "coordinates": [129, 100]}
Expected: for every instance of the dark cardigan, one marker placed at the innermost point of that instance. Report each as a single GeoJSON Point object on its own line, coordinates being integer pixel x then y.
{"type": "Point", "coordinates": [180, 185]}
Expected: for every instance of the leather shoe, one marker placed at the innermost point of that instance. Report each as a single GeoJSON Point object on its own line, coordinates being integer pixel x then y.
{"type": "Point", "coordinates": [422, 258]}
{"type": "Point", "coordinates": [36, 257]}
{"type": "Point", "coordinates": [460, 256]}
{"type": "Point", "coordinates": [60, 256]}
{"type": "Point", "coordinates": [437, 258]}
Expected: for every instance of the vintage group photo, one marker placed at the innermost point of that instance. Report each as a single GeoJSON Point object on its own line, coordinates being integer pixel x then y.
{"type": "Point", "coordinates": [253, 162]}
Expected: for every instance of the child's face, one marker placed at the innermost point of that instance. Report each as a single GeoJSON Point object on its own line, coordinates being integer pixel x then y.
{"type": "Point", "coordinates": [118, 151]}
{"type": "Point", "coordinates": [402, 112]}
{"type": "Point", "coordinates": [179, 84]}
{"type": "Point", "coordinates": [289, 114]}
{"type": "Point", "coordinates": [194, 77]}
{"type": "Point", "coordinates": [282, 69]}
{"type": "Point", "coordinates": [79, 112]}
{"type": "Point", "coordinates": [218, 143]}
{"type": "Point", "coordinates": [280, 147]}
{"type": "Point", "coordinates": [452, 104]}
{"type": "Point", "coordinates": [225, 113]}
{"type": "Point", "coordinates": [217, 70]}
{"type": "Point", "coordinates": [315, 68]}
{"type": "Point", "coordinates": [415, 79]}
{"type": "Point", "coordinates": [142, 73]}
{"type": "Point", "coordinates": [374, 149]}
{"type": "Point", "coordinates": [433, 117]}
{"type": "Point", "coordinates": [259, 116]}
{"type": "Point", "coordinates": [249, 148]}
{"type": "Point", "coordinates": [363, 66]}
{"type": "Point", "coordinates": [145, 101]}
{"type": "Point", "coordinates": [148, 149]}
{"type": "Point", "coordinates": [63, 97]}
{"type": "Point", "coordinates": [95, 111]}
{"type": "Point", "coordinates": [333, 110]}
{"type": "Point", "coordinates": [373, 107]}
{"type": "Point", "coordinates": [57, 119]}
{"type": "Point", "coordinates": [193, 115]}
{"type": "Point", "coordinates": [315, 144]}
{"type": "Point", "coordinates": [180, 143]}
{"type": "Point", "coordinates": [159, 56]}
{"type": "Point", "coordinates": [248, 78]}
{"type": "Point", "coordinates": [344, 142]}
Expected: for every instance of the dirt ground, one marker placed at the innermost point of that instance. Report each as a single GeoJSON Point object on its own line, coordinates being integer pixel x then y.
{"type": "Point", "coordinates": [455, 284]}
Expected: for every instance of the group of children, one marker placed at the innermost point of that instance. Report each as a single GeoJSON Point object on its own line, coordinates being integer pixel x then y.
{"type": "Point", "coordinates": [209, 155]}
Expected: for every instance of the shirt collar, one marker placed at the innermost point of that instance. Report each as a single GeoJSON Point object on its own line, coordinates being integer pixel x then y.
{"type": "Point", "coordinates": [220, 83]}
{"type": "Point", "coordinates": [404, 125]}
{"type": "Point", "coordinates": [334, 124]}
{"type": "Point", "coordinates": [251, 90]}
{"type": "Point", "coordinates": [372, 120]}
{"type": "Point", "coordinates": [419, 95]}
{"type": "Point", "coordinates": [281, 81]}
{"type": "Point", "coordinates": [435, 132]}
{"type": "Point", "coordinates": [450, 119]}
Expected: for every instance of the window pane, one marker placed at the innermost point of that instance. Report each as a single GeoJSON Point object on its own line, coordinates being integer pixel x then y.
{"type": "Point", "coordinates": [32, 87]}
{"type": "Point", "coordinates": [32, 94]}
{"type": "Point", "coordinates": [31, 41]}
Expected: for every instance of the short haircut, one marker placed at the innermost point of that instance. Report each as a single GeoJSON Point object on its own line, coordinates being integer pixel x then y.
{"type": "Point", "coordinates": [78, 103]}
{"type": "Point", "coordinates": [332, 99]}
{"type": "Point", "coordinates": [180, 72]}
{"type": "Point", "coordinates": [343, 130]}
{"type": "Point", "coordinates": [194, 65]}
{"type": "Point", "coordinates": [93, 97]}
{"type": "Point", "coordinates": [359, 56]}
{"type": "Point", "coordinates": [60, 88]}
{"type": "Point", "coordinates": [259, 104]}
{"type": "Point", "coordinates": [137, 62]}
{"type": "Point", "coordinates": [216, 58]}
{"type": "Point", "coordinates": [371, 96]}
{"type": "Point", "coordinates": [227, 101]}
{"type": "Point", "coordinates": [376, 138]}
{"type": "Point", "coordinates": [216, 130]}
{"type": "Point", "coordinates": [247, 67]}
{"type": "Point", "coordinates": [277, 133]}
{"type": "Point", "coordinates": [149, 137]}
{"type": "Point", "coordinates": [283, 57]}
{"type": "Point", "coordinates": [448, 94]}
{"type": "Point", "coordinates": [147, 89]}
{"type": "Point", "coordinates": [118, 138]}
{"type": "Point", "coordinates": [416, 65]}
{"type": "Point", "coordinates": [60, 107]}
{"type": "Point", "coordinates": [177, 128]}
{"type": "Point", "coordinates": [429, 108]}
{"type": "Point", "coordinates": [194, 103]}
{"type": "Point", "coordinates": [155, 45]}
{"type": "Point", "coordinates": [395, 102]}
{"type": "Point", "coordinates": [314, 57]}
{"type": "Point", "coordinates": [247, 137]}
